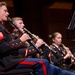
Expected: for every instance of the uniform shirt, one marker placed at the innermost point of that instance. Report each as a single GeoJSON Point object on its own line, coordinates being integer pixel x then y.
{"type": "Point", "coordinates": [57, 58]}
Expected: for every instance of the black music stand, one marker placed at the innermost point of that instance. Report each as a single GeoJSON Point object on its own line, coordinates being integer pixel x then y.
{"type": "Point", "coordinates": [71, 27]}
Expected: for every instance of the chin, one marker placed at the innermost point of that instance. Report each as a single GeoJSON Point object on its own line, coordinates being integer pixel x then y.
{"type": "Point", "coordinates": [5, 19]}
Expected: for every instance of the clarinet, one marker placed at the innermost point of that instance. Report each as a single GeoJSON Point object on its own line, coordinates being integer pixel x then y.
{"type": "Point", "coordinates": [33, 35]}
{"type": "Point", "coordinates": [31, 42]}
{"type": "Point", "coordinates": [73, 57]}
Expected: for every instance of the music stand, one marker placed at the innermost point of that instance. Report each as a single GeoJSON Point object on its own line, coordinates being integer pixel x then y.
{"type": "Point", "coordinates": [71, 27]}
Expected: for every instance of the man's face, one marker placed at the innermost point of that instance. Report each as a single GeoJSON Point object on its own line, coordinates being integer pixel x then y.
{"type": "Point", "coordinates": [19, 23]}
{"type": "Point", "coordinates": [3, 13]}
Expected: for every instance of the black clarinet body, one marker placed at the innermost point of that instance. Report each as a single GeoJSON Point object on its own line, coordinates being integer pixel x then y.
{"type": "Point", "coordinates": [33, 35]}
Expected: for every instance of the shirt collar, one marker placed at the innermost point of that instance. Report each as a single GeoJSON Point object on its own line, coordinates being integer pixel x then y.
{"type": "Point", "coordinates": [56, 46]}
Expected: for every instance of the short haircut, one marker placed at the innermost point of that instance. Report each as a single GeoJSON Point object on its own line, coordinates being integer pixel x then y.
{"type": "Point", "coordinates": [16, 18]}
{"type": "Point", "coordinates": [3, 4]}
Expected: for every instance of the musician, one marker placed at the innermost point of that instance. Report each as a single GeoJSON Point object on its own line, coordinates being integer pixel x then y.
{"type": "Point", "coordinates": [63, 56]}
{"type": "Point", "coordinates": [15, 34]}
{"type": "Point", "coordinates": [30, 51]}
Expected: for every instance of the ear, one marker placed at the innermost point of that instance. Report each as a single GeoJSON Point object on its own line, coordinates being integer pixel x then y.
{"type": "Point", "coordinates": [53, 39]}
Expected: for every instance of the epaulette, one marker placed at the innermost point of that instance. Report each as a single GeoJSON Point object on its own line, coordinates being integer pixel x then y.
{"type": "Point", "coordinates": [1, 36]}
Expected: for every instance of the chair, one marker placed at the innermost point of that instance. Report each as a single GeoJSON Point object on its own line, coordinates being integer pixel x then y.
{"type": "Point", "coordinates": [18, 71]}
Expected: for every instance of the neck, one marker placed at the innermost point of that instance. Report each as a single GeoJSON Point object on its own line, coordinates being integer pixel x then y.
{"type": "Point", "coordinates": [55, 44]}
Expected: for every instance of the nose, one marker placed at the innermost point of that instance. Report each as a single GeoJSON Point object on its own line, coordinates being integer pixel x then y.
{"type": "Point", "coordinates": [7, 13]}
{"type": "Point", "coordinates": [23, 25]}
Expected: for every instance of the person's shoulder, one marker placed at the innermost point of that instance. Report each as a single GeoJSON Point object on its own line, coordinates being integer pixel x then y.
{"type": "Point", "coordinates": [1, 28]}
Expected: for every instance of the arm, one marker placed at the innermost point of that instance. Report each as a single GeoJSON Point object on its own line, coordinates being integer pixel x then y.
{"type": "Point", "coordinates": [27, 51]}
{"type": "Point", "coordinates": [31, 50]}
{"type": "Point", "coordinates": [6, 45]}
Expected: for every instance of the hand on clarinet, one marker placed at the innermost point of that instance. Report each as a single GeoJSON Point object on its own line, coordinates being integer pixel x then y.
{"type": "Point", "coordinates": [25, 37]}
{"type": "Point", "coordinates": [39, 42]}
